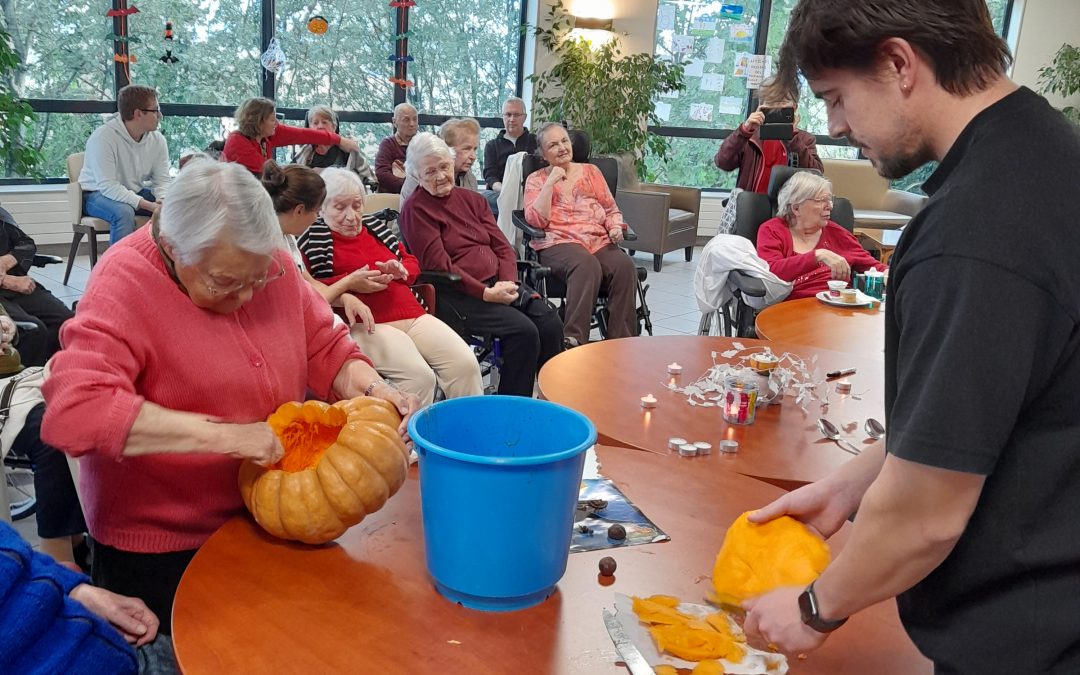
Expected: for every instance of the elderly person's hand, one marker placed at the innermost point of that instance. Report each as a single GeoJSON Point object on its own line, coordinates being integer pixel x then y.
{"type": "Point", "coordinates": [8, 331]}
{"type": "Point", "coordinates": [502, 293]}
{"type": "Point", "coordinates": [23, 285]}
{"type": "Point", "coordinates": [367, 280]}
{"type": "Point", "coordinates": [836, 263]}
{"type": "Point", "coordinates": [557, 174]}
{"type": "Point", "coordinates": [398, 168]}
{"type": "Point", "coordinates": [357, 312]}
{"type": "Point", "coordinates": [349, 144]}
{"type": "Point", "coordinates": [255, 441]}
{"type": "Point", "coordinates": [616, 234]}
{"type": "Point", "coordinates": [130, 616]}
{"type": "Point", "coordinates": [394, 268]}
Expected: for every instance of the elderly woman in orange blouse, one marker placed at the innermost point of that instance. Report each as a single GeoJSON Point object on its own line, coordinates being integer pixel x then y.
{"type": "Point", "coordinates": [572, 204]}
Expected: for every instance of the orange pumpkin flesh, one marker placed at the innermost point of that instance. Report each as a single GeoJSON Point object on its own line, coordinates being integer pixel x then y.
{"type": "Point", "coordinates": [341, 463]}
{"type": "Point", "coordinates": [757, 558]}
{"type": "Point", "coordinates": [689, 637]}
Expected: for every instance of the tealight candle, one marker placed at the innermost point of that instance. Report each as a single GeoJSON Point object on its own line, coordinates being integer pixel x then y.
{"type": "Point", "coordinates": [688, 450]}
{"type": "Point", "coordinates": [843, 387]}
{"type": "Point", "coordinates": [648, 401]}
{"type": "Point", "coordinates": [703, 448]}
{"type": "Point", "coordinates": [729, 446]}
{"type": "Point", "coordinates": [674, 368]}
{"type": "Point", "coordinates": [674, 442]}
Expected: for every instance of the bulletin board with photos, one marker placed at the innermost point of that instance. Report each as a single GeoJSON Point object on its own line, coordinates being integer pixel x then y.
{"type": "Point", "coordinates": [715, 42]}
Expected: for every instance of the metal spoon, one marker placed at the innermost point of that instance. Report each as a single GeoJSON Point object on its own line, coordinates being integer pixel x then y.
{"type": "Point", "coordinates": [874, 429]}
{"type": "Point", "coordinates": [829, 431]}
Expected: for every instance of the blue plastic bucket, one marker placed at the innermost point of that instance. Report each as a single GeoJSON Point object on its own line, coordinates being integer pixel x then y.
{"type": "Point", "coordinates": [499, 481]}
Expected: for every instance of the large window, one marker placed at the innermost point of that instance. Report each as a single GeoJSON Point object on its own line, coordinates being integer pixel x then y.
{"type": "Point", "coordinates": [465, 55]}
{"type": "Point", "coordinates": [716, 41]}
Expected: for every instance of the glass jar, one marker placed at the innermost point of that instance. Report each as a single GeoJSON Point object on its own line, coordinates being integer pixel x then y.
{"type": "Point", "coordinates": [740, 400]}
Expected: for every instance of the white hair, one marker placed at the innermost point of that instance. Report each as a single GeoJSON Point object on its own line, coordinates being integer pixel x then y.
{"type": "Point", "coordinates": [340, 181]}
{"type": "Point", "coordinates": [515, 99]}
{"type": "Point", "coordinates": [403, 106]}
{"type": "Point", "coordinates": [212, 202]}
{"type": "Point", "coordinates": [421, 146]}
{"type": "Point", "coordinates": [802, 185]}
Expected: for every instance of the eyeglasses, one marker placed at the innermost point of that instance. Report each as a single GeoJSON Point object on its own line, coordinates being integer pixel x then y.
{"type": "Point", "coordinates": [156, 111]}
{"type": "Point", "coordinates": [822, 200]}
{"type": "Point", "coordinates": [513, 115]}
{"type": "Point", "coordinates": [226, 287]}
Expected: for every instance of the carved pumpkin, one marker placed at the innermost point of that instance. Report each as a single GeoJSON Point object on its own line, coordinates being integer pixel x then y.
{"type": "Point", "coordinates": [341, 462]}
{"type": "Point", "coordinates": [758, 558]}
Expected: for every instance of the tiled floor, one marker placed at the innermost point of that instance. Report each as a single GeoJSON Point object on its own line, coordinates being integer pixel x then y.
{"type": "Point", "coordinates": [671, 303]}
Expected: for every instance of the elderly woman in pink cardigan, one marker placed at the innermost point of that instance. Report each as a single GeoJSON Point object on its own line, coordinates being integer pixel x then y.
{"type": "Point", "coordinates": [190, 333]}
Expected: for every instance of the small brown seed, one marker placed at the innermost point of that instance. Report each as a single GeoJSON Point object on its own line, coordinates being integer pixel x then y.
{"type": "Point", "coordinates": [616, 532]}
{"type": "Point", "coordinates": [607, 566]}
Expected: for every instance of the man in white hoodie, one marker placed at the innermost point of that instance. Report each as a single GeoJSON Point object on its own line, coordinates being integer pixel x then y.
{"type": "Point", "coordinates": [126, 170]}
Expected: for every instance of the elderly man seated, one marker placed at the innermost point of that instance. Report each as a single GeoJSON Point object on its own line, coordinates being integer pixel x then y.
{"type": "Point", "coordinates": [23, 299]}
{"type": "Point", "coordinates": [390, 160]}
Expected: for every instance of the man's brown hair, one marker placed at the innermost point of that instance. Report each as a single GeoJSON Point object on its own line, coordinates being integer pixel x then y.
{"type": "Point", "coordinates": [134, 97]}
{"type": "Point", "coordinates": [956, 36]}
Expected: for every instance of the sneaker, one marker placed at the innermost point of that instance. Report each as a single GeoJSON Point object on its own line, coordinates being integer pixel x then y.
{"type": "Point", "coordinates": [24, 508]}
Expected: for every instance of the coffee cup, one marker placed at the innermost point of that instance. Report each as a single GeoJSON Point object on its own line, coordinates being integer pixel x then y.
{"type": "Point", "coordinates": [835, 286]}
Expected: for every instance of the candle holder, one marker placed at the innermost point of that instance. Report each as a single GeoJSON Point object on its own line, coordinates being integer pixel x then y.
{"type": "Point", "coordinates": [740, 400]}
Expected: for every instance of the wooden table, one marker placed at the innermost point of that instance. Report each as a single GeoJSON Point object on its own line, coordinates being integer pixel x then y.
{"type": "Point", "coordinates": [250, 603]}
{"type": "Point", "coordinates": [606, 380]}
{"type": "Point", "coordinates": [808, 321]}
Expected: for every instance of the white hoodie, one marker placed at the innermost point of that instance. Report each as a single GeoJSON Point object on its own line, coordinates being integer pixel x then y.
{"type": "Point", "coordinates": [119, 166]}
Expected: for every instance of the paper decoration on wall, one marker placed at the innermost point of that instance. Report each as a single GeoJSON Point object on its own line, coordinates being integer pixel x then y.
{"type": "Point", "coordinates": [714, 50]}
{"type": "Point", "coordinates": [682, 43]}
{"type": "Point", "coordinates": [742, 62]}
{"type": "Point", "coordinates": [127, 11]}
{"type": "Point", "coordinates": [695, 68]}
{"type": "Point", "coordinates": [758, 68]}
{"type": "Point", "coordinates": [703, 26]}
{"type": "Point", "coordinates": [665, 17]}
{"type": "Point", "coordinates": [730, 105]}
{"type": "Point", "coordinates": [670, 94]}
{"type": "Point", "coordinates": [318, 25]}
{"type": "Point", "coordinates": [741, 32]}
{"type": "Point", "coordinates": [701, 112]}
{"type": "Point", "coordinates": [663, 110]}
{"type": "Point", "coordinates": [712, 82]}
{"type": "Point", "coordinates": [168, 59]}
{"type": "Point", "coordinates": [731, 10]}
{"type": "Point", "coordinates": [273, 59]}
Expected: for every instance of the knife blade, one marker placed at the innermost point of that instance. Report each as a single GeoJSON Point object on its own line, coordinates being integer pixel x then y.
{"type": "Point", "coordinates": [629, 653]}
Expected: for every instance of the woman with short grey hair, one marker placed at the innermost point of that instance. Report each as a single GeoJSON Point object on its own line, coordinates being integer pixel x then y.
{"type": "Point", "coordinates": [192, 331]}
{"type": "Point", "coordinates": [802, 246]}
{"type": "Point", "coordinates": [462, 137]}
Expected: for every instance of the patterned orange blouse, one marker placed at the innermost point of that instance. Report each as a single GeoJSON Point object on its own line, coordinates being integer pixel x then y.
{"type": "Point", "coordinates": [583, 219]}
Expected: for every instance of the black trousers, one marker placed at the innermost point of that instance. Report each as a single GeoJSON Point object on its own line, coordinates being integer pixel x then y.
{"type": "Point", "coordinates": [58, 510]}
{"type": "Point", "coordinates": [529, 337]}
{"type": "Point", "coordinates": [151, 577]}
{"type": "Point", "coordinates": [44, 309]}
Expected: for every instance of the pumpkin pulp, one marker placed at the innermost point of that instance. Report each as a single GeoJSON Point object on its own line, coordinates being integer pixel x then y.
{"type": "Point", "coordinates": [305, 434]}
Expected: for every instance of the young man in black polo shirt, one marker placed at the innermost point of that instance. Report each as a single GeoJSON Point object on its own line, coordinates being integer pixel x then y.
{"type": "Point", "coordinates": [969, 512]}
{"type": "Point", "coordinates": [515, 137]}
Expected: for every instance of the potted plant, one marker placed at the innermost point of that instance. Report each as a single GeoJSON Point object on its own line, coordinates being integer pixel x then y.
{"type": "Point", "coordinates": [1062, 77]}
{"type": "Point", "coordinates": [16, 116]}
{"type": "Point", "coordinates": [610, 96]}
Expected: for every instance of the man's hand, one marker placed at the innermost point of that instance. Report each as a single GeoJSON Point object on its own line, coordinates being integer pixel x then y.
{"type": "Point", "coordinates": [7, 262]}
{"type": "Point", "coordinates": [497, 186]}
{"type": "Point", "coordinates": [774, 619]}
{"type": "Point", "coordinates": [357, 312]}
{"type": "Point", "coordinates": [146, 205]}
{"type": "Point", "coordinates": [820, 505]}
{"type": "Point", "coordinates": [130, 616]}
{"type": "Point", "coordinates": [24, 285]}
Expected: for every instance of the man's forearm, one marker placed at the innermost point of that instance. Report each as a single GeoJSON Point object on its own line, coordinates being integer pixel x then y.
{"type": "Point", "coordinates": [7, 262]}
{"type": "Point", "coordinates": [908, 522]}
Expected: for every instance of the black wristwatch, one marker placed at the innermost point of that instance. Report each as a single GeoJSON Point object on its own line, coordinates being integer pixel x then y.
{"type": "Point", "coordinates": [808, 608]}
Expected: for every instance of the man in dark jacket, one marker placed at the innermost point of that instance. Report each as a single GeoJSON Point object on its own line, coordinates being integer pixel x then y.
{"type": "Point", "coordinates": [744, 150]}
{"type": "Point", "coordinates": [514, 138]}
{"type": "Point", "coordinates": [23, 299]}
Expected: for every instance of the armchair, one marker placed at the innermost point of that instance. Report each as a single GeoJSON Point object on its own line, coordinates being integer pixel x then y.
{"type": "Point", "coordinates": [665, 218]}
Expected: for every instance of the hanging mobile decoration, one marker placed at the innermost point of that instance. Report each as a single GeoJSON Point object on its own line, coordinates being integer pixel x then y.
{"type": "Point", "coordinates": [401, 47]}
{"type": "Point", "coordinates": [273, 59]}
{"type": "Point", "coordinates": [318, 24]}
{"type": "Point", "coordinates": [401, 59]}
{"type": "Point", "coordinates": [403, 3]}
{"type": "Point", "coordinates": [121, 40]}
{"type": "Point", "coordinates": [169, 58]}
{"type": "Point", "coordinates": [127, 11]}
{"type": "Point", "coordinates": [404, 84]}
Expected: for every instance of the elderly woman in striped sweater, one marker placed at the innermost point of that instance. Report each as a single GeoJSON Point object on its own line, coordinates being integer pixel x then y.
{"type": "Point", "coordinates": [410, 347]}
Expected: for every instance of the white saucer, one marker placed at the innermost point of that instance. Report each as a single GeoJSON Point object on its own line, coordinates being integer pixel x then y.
{"type": "Point", "coordinates": [861, 300]}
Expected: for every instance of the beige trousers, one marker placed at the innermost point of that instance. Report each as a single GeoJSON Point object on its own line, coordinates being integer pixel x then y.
{"type": "Point", "coordinates": [416, 354]}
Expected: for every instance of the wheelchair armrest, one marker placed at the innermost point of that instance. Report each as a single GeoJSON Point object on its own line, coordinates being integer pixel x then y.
{"type": "Point", "coordinates": [41, 260]}
{"type": "Point", "coordinates": [520, 223]}
{"type": "Point", "coordinates": [438, 278]}
{"type": "Point", "coordinates": [629, 234]}
{"type": "Point", "coordinates": [25, 325]}
{"type": "Point", "coordinates": [746, 284]}
{"type": "Point", "coordinates": [534, 268]}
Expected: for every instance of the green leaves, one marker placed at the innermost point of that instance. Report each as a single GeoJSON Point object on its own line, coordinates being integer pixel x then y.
{"type": "Point", "coordinates": [597, 89]}
{"type": "Point", "coordinates": [15, 117]}
{"type": "Point", "coordinates": [1062, 77]}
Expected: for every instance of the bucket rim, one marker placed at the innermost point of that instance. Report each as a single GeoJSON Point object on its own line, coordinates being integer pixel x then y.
{"type": "Point", "coordinates": [580, 448]}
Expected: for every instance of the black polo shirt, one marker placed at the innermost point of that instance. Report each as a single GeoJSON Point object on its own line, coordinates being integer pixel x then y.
{"type": "Point", "coordinates": [982, 375]}
{"type": "Point", "coordinates": [499, 149]}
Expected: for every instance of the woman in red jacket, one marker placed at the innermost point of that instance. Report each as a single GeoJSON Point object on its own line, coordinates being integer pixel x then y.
{"type": "Point", "coordinates": [803, 246]}
{"type": "Point", "coordinates": [258, 132]}
{"type": "Point", "coordinates": [408, 346]}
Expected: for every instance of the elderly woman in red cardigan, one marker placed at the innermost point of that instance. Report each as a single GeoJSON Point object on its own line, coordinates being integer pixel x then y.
{"type": "Point", "coordinates": [803, 246]}
{"type": "Point", "coordinates": [258, 132]}
{"type": "Point", "coordinates": [190, 333]}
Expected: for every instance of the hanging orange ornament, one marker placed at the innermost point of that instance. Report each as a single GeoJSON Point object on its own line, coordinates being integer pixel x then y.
{"type": "Point", "coordinates": [318, 24]}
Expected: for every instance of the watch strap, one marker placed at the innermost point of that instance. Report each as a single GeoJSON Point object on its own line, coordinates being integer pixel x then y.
{"type": "Point", "coordinates": [810, 612]}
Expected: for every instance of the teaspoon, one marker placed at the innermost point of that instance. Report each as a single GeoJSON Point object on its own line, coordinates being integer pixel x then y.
{"type": "Point", "coordinates": [874, 429]}
{"type": "Point", "coordinates": [829, 431]}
